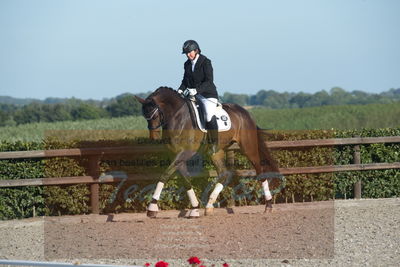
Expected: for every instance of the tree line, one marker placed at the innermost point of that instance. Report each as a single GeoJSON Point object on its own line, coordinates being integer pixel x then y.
{"type": "Point", "coordinates": [19, 111]}
{"type": "Point", "coordinates": [336, 96]}
{"type": "Point", "coordinates": [68, 110]}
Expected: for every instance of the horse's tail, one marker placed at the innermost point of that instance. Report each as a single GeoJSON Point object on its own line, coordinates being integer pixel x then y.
{"type": "Point", "coordinates": [268, 164]}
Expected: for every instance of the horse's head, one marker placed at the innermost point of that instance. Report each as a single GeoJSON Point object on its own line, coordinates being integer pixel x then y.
{"type": "Point", "coordinates": [154, 116]}
{"type": "Point", "coordinates": [155, 109]}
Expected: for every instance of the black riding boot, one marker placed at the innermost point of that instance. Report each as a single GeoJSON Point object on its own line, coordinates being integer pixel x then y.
{"type": "Point", "coordinates": [212, 128]}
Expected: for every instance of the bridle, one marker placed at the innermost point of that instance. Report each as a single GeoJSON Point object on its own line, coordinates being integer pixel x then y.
{"type": "Point", "coordinates": [152, 115]}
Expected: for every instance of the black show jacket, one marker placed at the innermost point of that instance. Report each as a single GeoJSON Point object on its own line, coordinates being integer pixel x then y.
{"type": "Point", "coordinates": [201, 78]}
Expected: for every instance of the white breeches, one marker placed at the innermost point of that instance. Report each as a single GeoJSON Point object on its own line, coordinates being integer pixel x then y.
{"type": "Point", "coordinates": [210, 106]}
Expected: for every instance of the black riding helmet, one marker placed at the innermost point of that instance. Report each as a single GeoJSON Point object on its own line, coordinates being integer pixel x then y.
{"type": "Point", "coordinates": [189, 46]}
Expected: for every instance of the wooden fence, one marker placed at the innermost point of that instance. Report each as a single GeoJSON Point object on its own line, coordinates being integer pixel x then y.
{"type": "Point", "coordinates": [95, 154]}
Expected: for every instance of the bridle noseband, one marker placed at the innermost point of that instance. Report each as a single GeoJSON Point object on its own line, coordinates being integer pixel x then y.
{"type": "Point", "coordinates": [152, 115]}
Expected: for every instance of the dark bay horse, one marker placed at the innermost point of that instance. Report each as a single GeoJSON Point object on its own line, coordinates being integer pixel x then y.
{"type": "Point", "coordinates": [167, 110]}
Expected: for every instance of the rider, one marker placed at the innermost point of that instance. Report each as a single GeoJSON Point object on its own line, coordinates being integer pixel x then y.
{"type": "Point", "coordinates": [198, 80]}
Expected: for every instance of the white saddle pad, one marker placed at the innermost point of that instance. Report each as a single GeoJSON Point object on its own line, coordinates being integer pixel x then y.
{"type": "Point", "coordinates": [223, 119]}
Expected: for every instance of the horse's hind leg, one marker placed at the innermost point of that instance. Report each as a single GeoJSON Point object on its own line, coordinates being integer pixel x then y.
{"type": "Point", "coordinates": [194, 212]}
{"type": "Point", "coordinates": [268, 196]}
{"type": "Point", "coordinates": [250, 147]}
{"type": "Point", "coordinates": [183, 171]}
{"type": "Point", "coordinates": [224, 177]}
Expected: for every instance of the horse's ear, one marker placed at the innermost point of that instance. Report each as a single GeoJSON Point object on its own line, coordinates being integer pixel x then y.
{"type": "Point", "coordinates": [141, 100]}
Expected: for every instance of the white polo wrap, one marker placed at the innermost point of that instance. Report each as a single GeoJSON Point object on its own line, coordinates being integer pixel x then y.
{"type": "Point", "coordinates": [152, 207]}
{"type": "Point", "coordinates": [214, 195]}
{"type": "Point", "coordinates": [192, 197]}
{"type": "Point", "coordinates": [267, 193]}
{"type": "Point", "coordinates": [158, 190]}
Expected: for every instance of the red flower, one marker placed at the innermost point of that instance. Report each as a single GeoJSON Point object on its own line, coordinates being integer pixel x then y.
{"type": "Point", "coordinates": [194, 260]}
{"type": "Point", "coordinates": [147, 264]}
{"type": "Point", "coordinates": [161, 264]}
{"type": "Point", "coordinates": [225, 265]}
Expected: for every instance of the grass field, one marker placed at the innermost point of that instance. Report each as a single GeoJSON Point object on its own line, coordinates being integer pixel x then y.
{"type": "Point", "coordinates": [346, 117]}
{"type": "Point", "coordinates": [37, 131]}
{"type": "Point", "coordinates": [326, 117]}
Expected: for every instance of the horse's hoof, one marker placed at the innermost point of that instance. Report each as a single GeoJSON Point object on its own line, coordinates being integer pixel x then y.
{"type": "Point", "coordinates": [151, 214]}
{"type": "Point", "coordinates": [268, 206]}
{"type": "Point", "coordinates": [194, 214]}
{"type": "Point", "coordinates": [209, 211]}
{"type": "Point", "coordinates": [268, 210]}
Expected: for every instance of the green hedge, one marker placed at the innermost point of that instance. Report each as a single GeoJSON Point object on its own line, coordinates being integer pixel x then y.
{"type": "Point", "coordinates": [134, 196]}
{"type": "Point", "coordinates": [375, 184]}
{"type": "Point", "coordinates": [21, 202]}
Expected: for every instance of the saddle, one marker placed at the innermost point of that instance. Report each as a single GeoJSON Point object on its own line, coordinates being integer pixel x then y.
{"type": "Point", "coordinates": [223, 119]}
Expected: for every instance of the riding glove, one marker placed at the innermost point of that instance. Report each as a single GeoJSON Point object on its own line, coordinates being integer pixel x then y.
{"type": "Point", "coordinates": [192, 91]}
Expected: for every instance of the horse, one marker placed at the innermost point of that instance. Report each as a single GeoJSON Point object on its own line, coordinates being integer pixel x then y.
{"type": "Point", "coordinates": [170, 116]}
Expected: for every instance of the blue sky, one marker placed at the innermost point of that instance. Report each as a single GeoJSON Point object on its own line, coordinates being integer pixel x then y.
{"type": "Point", "coordinates": [97, 49]}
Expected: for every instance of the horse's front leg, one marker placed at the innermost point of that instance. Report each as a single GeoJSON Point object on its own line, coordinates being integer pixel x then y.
{"type": "Point", "coordinates": [152, 209]}
{"type": "Point", "coordinates": [179, 163]}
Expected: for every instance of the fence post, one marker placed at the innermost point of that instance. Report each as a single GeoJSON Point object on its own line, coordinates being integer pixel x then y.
{"type": "Point", "coordinates": [94, 171]}
{"type": "Point", "coordinates": [357, 160]}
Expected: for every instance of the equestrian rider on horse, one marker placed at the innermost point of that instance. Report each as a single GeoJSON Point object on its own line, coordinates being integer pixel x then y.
{"type": "Point", "coordinates": [198, 80]}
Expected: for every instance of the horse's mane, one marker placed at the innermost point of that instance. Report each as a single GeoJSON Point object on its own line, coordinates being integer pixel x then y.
{"type": "Point", "coordinates": [162, 88]}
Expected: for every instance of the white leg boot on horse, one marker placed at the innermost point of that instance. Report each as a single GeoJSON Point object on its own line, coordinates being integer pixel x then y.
{"type": "Point", "coordinates": [268, 196]}
{"type": "Point", "coordinates": [152, 209]}
{"type": "Point", "coordinates": [213, 197]}
{"type": "Point", "coordinates": [194, 212]}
